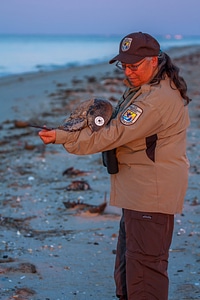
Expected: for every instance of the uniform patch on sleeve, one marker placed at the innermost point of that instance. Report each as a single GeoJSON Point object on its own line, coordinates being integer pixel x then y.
{"type": "Point", "coordinates": [131, 114]}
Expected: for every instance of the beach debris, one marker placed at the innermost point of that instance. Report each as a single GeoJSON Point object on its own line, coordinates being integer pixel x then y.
{"type": "Point", "coordinates": [15, 222]}
{"type": "Point", "coordinates": [29, 232]}
{"type": "Point", "coordinates": [113, 99]}
{"type": "Point", "coordinates": [60, 84]}
{"type": "Point", "coordinates": [112, 81]}
{"type": "Point", "coordinates": [75, 172]}
{"type": "Point", "coordinates": [78, 185]}
{"type": "Point", "coordinates": [24, 267]}
{"type": "Point", "coordinates": [22, 293]}
{"type": "Point", "coordinates": [40, 148]}
{"type": "Point", "coordinates": [28, 146]}
{"type": "Point", "coordinates": [91, 79]}
{"type": "Point", "coordinates": [20, 124]}
{"type": "Point", "coordinates": [6, 259]}
{"type": "Point", "coordinates": [181, 231]}
{"type": "Point", "coordinates": [85, 207]}
{"type": "Point", "coordinates": [3, 142]}
{"type": "Point", "coordinates": [94, 113]}
{"type": "Point", "coordinates": [195, 202]}
{"type": "Point", "coordinates": [66, 93]}
{"type": "Point", "coordinates": [76, 81]}
{"type": "Point", "coordinates": [82, 206]}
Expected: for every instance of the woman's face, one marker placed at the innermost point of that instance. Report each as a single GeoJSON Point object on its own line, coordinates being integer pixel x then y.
{"type": "Point", "coordinates": [141, 72]}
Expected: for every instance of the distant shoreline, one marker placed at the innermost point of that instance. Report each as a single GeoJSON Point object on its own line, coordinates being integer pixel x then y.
{"type": "Point", "coordinates": [174, 52]}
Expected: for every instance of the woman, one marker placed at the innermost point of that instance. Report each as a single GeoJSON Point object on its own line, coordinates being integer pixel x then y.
{"type": "Point", "coordinates": [147, 134]}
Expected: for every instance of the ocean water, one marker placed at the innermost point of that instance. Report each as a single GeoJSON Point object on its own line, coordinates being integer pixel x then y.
{"type": "Point", "coordinates": [32, 53]}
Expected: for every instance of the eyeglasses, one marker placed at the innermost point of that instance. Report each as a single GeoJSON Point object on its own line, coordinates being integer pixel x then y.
{"type": "Point", "coordinates": [123, 66]}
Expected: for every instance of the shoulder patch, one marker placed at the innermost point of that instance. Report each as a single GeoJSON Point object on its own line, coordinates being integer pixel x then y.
{"type": "Point", "coordinates": [131, 114]}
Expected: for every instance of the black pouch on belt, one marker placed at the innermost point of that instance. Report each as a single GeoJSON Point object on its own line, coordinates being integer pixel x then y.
{"type": "Point", "coordinates": [110, 161]}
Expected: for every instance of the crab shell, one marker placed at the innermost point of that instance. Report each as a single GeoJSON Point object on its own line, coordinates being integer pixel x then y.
{"type": "Point", "coordinates": [94, 113]}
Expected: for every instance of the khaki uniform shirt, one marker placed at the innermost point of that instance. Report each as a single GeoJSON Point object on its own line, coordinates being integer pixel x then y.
{"type": "Point", "coordinates": [149, 134]}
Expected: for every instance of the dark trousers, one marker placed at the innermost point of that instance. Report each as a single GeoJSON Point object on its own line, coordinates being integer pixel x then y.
{"type": "Point", "coordinates": [120, 261]}
{"type": "Point", "coordinates": [142, 255]}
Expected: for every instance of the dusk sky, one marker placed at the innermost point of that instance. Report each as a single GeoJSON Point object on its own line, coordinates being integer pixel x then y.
{"type": "Point", "coordinates": [100, 16]}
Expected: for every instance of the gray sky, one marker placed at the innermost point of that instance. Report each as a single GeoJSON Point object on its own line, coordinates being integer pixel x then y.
{"type": "Point", "coordinates": [100, 16]}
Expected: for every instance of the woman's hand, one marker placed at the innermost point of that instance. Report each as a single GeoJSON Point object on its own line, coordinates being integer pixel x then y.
{"type": "Point", "coordinates": [47, 136]}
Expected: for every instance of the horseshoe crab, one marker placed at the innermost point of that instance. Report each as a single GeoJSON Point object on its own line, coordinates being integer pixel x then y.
{"type": "Point", "coordinates": [94, 113]}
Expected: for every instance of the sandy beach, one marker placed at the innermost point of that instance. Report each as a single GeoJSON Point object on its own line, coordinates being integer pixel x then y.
{"type": "Point", "coordinates": [48, 250]}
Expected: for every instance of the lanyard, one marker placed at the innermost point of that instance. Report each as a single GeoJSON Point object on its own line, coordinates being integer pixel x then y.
{"type": "Point", "coordinates": [128, 94]}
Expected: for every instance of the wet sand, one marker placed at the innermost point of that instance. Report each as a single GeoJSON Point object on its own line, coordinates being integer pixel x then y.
{"type": "Point", "coordinates": [49, 251]}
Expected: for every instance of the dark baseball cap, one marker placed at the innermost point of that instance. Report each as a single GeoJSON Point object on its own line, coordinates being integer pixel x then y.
{"type": "Point", "coordinates": [136, 46]}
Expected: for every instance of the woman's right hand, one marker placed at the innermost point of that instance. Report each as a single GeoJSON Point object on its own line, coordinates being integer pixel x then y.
{"type": "Point", "coordinates": [47, 136]}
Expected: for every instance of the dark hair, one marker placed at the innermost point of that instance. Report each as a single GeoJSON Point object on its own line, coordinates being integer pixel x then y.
{"type": "Point", "coordinates": [166, 67]}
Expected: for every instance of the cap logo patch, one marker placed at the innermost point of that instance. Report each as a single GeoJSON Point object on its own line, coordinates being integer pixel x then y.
{"type": "Point", "coordinates": [131, 114]}
{"type": "Point", "coordinates": [126, 44]}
